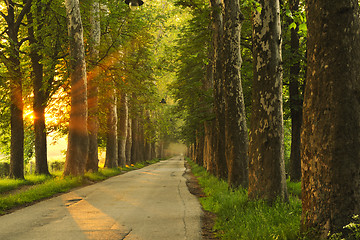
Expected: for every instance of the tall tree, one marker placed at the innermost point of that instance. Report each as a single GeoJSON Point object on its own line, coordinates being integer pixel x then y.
{"type": "Point", "coordinates": [331, 123]}
{"type": "Point", "coordinates": [93, 76]}
{"type": "Point", "coordinates": [236, 134]}
{"type": "Point", "coordinates": [111, 158]}
{"type": "Point", "coordinates": [40, 91]}
{"type": "Point", "coordinates": [219, 100]}
{"type": "Point", "coordinates": [128, 145]}
{"type": "Point", "coordinates": [78, 142]}
{"type": "Point", "coordinates": [295, 97]}
{"type": "Point", "coordinates": [266, 163]}
{"type": "Point", "coordinates": [11, 60]}
{"type": "Point", "coordinates": [122, 129]}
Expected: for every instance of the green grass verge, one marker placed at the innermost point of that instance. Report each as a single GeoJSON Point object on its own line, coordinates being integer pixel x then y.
{"type": "Point", "coordinates": [47, 186]}
{"type": "Point", "coordinates": [239, 218]}
{"type": "Point", "coordinates": [7, 184]}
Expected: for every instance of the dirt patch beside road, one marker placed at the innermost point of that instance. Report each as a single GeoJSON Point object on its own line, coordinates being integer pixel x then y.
{"type": "Point", "coordinates": [207, 218]}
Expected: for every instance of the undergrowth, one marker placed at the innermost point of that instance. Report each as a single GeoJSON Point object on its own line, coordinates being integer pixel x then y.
{"type": "Point", "coordinates": [239, 218]}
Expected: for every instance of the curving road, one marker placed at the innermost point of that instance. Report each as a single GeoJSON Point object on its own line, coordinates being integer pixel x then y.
{"type": "Point", "coordinates": [152, 203]}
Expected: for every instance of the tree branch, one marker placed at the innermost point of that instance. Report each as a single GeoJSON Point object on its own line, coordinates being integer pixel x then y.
{"type": "Point", "coordinates": [22, 14]}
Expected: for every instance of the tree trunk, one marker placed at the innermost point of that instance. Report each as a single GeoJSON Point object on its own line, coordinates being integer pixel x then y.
{"type": "Point", "coordinates": [128, 145]}
{"type": "Point", "coordinates": [12, 64]}
{"type": "Point", "coordinates": [147, 137]}
{"type": "Point", "coordinates": [141, 140]}
{"type": "Point", "coordinates": [219, 105]}
{"type": "Point", "coordinates": [111, 160]}
{"type": "Point", "coordinates": [295, 100]}
{"type": "Point", "coordinates": [209, 153]}
{"type": "Point", "coordinates": [93, 90]}
{"type": "Point", "coordinates": [135, 140]}
{"type": "Point", "coordinates": [266, 152]}
{"type": "Point", "coordinates": [122, 130]}
{"type": "Point", "coordinates": [199, 157]}
{"type": "Point", "coordinates": [40, 99]}
{"type": "Point", "coordinates": [236, 133]}
{"type": "Point", "coordinates": [17, 124]}
{"type": "Point", "coordinates": [78, 141]}
{"type": "Point", "coordinates": [153, 150]}
{"type": "Point", "coordinates": [331, 123]}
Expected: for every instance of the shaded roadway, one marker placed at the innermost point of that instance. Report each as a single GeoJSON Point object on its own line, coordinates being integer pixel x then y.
{"type": "Point", "coordinates": [149, 203]}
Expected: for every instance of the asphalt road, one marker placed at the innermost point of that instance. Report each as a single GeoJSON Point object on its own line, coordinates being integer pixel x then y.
{"type": "Point", "coordinates": [152, 203]}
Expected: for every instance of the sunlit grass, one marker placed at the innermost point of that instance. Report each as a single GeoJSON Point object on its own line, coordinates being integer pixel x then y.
{"type": "Point", "coordinates": [240, 218]}
{"type": "Point", "coordinates": [39, 191]}
{"type": "Point", "coordinates": [7, 184]}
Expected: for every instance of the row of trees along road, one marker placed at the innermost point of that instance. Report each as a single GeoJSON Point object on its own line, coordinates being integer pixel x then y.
{"type": "Point", "coordinates": [284, 44]}
{"type": "Point", "coordinates": [241, 69]}
{"type": "Point", "coordinates": [87, 69]}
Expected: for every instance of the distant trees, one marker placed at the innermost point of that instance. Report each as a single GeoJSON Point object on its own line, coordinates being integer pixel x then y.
{"type": "Point", "coordinates": [42, 37]}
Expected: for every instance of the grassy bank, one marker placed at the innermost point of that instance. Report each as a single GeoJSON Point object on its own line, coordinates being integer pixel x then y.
{"type": "Point", "coordinates": [239, 218]}
{"type": "Point", "coordinates": [13, 192]}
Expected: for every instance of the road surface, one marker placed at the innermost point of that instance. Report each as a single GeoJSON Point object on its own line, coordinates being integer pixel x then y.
{"type": "Point", "coordinates": [152, 203]}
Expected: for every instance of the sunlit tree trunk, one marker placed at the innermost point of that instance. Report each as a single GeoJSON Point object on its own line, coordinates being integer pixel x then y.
{"type": "Point", "coordinates": [40, 97]}
{"type": "Point", "coordinates": [122, 130]}
{"type": "Point", "coordinates": [78, 141]}
{"type": "Point", "coordinates": [111, 159]}
{"type": "Point", "coordinates": [295, 100]}
{"type": "Point", "coordinates": [93, 90]}
{"type": "Point", "coordinates": [219, 101]}
{"type": "Point", "coordinates": [266, 152]}
{"type": "Point", "coordinates": [331, 123]}
{"type": "Point", "coordinates": [236, 134]}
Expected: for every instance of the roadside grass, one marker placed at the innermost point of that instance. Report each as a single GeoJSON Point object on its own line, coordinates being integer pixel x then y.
{"type": "Point", "coordinates": [240, 218]}
{"type": "Point", "coordinates": [43, 186]}
{"type": "Point", "coordinates": [7, 184]}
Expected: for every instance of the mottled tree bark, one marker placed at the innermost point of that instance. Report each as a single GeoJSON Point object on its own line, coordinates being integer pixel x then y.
{"type": "Point", "coordinates": [236, 133]}
{"type": "Point", "coordinates": [331, 122]}
{"type": "Point", "coordinates": [122, 130]}
{"type": "Point", "coordinates": [111, 158]}
{"type": "Point", "coordinates": [93, 90]}
{"type": "Point", "coordinates": [78, 141]}
{"type": "Point", "coordinates": [219, 101]}
{"type": "Point", "coordinates": [295, 100]}
{"type": "Point", "coordinates": [266, 152]}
